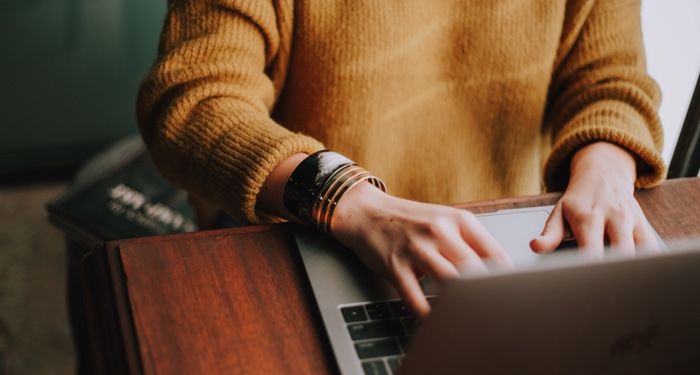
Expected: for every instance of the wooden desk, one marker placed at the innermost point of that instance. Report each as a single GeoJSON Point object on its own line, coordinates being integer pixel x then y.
{"type": "Point", "coordinates": [237, 300]}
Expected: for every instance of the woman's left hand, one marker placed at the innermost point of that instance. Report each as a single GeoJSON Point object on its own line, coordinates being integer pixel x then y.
{"type": "Point", "coordinates": [599, 204]}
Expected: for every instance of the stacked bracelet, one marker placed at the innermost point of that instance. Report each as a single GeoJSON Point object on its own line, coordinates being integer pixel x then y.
{"type": "Point", "coordinates": [317, 184]}
{"type": "Point", "coordinates": [344, 179]}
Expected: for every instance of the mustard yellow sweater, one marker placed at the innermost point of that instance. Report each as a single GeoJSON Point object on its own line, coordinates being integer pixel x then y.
{"type": "Point", "coordinates": [446, 100]}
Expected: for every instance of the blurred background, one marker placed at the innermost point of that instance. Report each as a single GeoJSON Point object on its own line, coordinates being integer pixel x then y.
{"type": "Point", "coordinates": [70, 70]}
{"type": "Point", "coordinates": [671, 32]}
{"type": "Point", "coordinates": [69, 73]}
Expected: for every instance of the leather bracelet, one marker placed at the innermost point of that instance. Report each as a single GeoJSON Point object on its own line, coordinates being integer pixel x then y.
{"type": "Point", "coordinates": [318, 183]}
{"type": "Point", "coordinates": [307, 180]}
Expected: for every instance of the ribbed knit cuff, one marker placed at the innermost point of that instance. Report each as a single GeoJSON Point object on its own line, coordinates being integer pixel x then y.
{"type": "Point", "coordinates": [225, 153]}
{"type": "Point", "coordinates": [245, 163]}
{"type": "Point", "coordinates": [612, 122]}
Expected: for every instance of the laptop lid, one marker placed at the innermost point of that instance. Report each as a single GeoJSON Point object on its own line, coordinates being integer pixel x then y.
{"type": "Point", "coordinates": [638, 315]}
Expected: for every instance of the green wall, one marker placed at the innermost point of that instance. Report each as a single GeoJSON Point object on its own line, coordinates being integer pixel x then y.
{"type": "Point", "coordinates": [69, 73]}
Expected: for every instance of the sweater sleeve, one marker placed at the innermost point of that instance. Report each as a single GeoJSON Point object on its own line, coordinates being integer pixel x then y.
{"type": "Point", "coordinates": [204, 108]}
{"type": "Point", "coordinates": [600, 91]}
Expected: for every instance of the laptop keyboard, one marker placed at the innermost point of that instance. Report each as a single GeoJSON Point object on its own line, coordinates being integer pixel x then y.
{"type": "Point", "coordinates": [380, 332]}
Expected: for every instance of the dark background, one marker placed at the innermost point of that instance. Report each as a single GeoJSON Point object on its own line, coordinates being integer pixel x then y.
{"type": "Point", "coordinates": [69, 73]}
{"type": "Point", "coordinates": [70, 70]}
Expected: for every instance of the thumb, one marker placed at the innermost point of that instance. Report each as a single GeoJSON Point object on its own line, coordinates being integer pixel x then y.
{"type": "Point", "coordinates": [552, 234]}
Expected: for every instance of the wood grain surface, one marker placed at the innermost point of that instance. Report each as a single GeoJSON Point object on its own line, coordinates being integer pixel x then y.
{"type": "Point", "coordinates": [236, 301]}
{"type": "Point", "coordinates": [223, 303]}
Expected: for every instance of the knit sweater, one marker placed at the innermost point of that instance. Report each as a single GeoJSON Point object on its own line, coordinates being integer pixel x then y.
{"type": "Point", "coordinates": [447, 101]}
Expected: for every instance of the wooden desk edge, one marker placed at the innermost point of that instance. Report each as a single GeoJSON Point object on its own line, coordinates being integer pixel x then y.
{"type": "Point", "coordinates": [113, 339]}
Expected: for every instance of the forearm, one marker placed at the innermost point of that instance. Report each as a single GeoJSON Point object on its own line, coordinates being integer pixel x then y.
{"type": "Point", "coordinates": [204, 110]}
{"type": "Point", "coordinates": [600, 91]}
{"type": "Point", "coordinates": [272, 192]}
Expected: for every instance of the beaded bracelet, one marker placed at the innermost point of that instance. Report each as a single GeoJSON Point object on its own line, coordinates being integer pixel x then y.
{"type": "Point", "coordinates": [317, 184]}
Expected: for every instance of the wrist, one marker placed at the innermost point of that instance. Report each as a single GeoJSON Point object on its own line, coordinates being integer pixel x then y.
{"type": "Point", "coordinates": [318, 183]}
{"type": "Point", "coordinates": [604, 158]}
{"type": "Point", "coordinates": [270, 198]}
{"type": "Point", "coordinates": [355, 205]}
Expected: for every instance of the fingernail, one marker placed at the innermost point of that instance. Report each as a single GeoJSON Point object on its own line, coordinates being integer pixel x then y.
{"type": "Point", "coordinates": [533, 247]}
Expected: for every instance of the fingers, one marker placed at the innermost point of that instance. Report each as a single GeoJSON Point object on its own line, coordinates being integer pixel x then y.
{"type": "Point", "coordinates": [552, 234]}
{"type": "Point", "coordinates": [620, 223]}
{"type": "Point", "coordinates": [462, 256]}
{"type": "Point", "coordinates": [446, 260]}
{"type": "Point", "coordinates": [478, 242]}
{"type": "Point", "coordinates": [435, 265]}
{"type": "Point", "coordinates": [645, 238]}
{"type": "Point", "coordinates": [643, 234]}
{"type": "Point", "coordinates": [410, 290]}
{"type": "Point", "coordinates": [620, 232]}
{"type": "Point", "coordinates": [589, 229]}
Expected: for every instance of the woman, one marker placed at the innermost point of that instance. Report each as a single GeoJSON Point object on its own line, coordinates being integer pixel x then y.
{"type": "Point", "coordinates": [446, 101]}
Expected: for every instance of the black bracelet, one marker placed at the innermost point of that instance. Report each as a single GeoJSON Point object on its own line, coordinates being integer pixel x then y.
{"type": "Point", "coordinates": [305, 184]}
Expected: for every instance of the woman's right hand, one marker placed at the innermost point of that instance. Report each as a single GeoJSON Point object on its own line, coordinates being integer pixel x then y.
{"type": "Point", "coordinates": [399, 239]}
{"type": "Point", "coordinates": [403, 240]}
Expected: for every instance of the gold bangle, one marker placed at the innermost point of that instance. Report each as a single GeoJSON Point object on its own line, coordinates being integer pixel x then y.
{"type": "Point", "coordinates": [333, 191]}
{"type": "Point", "coordinates": [331, 184]}
{"type": "Point", "coordinates": [317, 185]}
{"type": "Point", "coordinates": [348, 182]}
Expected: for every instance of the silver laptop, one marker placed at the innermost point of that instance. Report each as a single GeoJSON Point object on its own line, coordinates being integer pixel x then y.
{"type": "Point", "coordinates": [370, 329]}
{"type": "Point", "coordinates": [621, 315]}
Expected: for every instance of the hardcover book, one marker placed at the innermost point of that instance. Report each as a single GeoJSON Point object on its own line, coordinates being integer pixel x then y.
{"type": "Point", "coordinates": [119, 195]}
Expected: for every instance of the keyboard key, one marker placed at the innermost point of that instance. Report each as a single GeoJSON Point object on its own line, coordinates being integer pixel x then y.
{"type": "Point", "coordinates": [399, 309]}
{"type": "Point", "coordinates": [375, 330]}
{"type": "Point", "coordinates": [378, 310]}
{"type": "Point", "coordinates": [411, 323]}
{"type": "Point", "coordinates": [374, 368]}
{"type": "Point", "coordinates": [394, 364]}
{"type": "Point", "coordinates": [379, 348]}
{"type": "Point", "coordinates": [354, 314]}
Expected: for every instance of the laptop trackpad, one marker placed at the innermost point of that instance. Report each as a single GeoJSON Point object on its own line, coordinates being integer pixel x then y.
{"type": "Point", "coordinates": [514, 229]}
